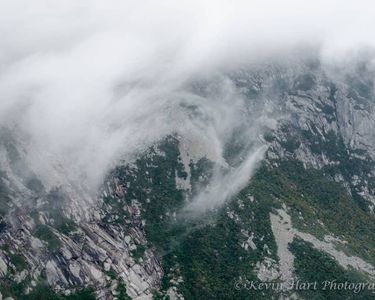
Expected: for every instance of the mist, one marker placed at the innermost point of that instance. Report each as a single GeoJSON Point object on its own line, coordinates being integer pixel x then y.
{"type": "Point", "coordinates": [92, 82]}
{"type": "Point", "coordinates": [223, 186]}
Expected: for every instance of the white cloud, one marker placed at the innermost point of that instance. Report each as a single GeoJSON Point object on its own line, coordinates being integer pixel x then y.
{"type": "Point", "coordinates": [90, 81]}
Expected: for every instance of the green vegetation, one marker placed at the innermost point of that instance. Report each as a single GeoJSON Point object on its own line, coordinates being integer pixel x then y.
{"type": "Point", "coordinates": [83, 294]}
{"type": "Point", "coordinates": [208, 255]}
{"type": "Point", "coordinates": [9, 288]}
{"type": "Point", "coordinates": [313, 196]}
{"type": "Point", "coordinates": [121, 290]}
{"type": "Point", "coordinates": [152, 183]}
{"type": "Point", "coordinates": [18, 261]}
{"type": "Point", "coordinates": [45, 293]}
{"type": "Point", "coordinates": [62, 223]}
{"type": "Point", "coordinates": [291, 144]}
{"type": "Point", "coordinates": [312, 265]}
{"type": "Point", "coordinates": [211, 259]}
{"type": "Point", "coordinates": [138, 252]}
{"type": "Point", "coordinates": [347, 162]}
{"type": "Point", "coordinates": [44, 233]}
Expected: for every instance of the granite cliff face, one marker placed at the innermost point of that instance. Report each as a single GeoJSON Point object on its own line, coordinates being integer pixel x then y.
{"type": "Point", "coordinates": [309, 207]}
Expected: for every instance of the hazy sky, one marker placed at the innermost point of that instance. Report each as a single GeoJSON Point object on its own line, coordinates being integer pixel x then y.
{"type": "Point", "coordinates": [89, 81]}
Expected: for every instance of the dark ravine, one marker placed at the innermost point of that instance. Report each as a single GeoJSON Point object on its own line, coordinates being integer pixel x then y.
{"type": "Point", "coordinates": [313, 195]}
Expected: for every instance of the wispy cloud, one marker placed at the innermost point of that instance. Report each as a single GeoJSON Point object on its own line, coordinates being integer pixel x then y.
{"type": "Point", "coordinates": [91, 81]}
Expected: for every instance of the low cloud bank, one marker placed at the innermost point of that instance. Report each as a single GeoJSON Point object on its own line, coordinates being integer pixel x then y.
{"type": "Point", "coordinates": [89, 82]}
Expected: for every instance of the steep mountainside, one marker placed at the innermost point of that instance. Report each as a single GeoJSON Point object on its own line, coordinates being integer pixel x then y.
{"type": "Point", "coordinates": [306, 214]}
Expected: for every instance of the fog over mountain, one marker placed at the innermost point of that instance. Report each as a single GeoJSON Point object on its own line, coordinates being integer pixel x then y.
{"type": "Point", "coordinates": [91, 81]}
{"type": "Point", "coordinates": [179, 149]}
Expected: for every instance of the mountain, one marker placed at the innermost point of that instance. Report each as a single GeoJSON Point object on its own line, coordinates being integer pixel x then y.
{"type": "Point", "coordinates": [303, 211]}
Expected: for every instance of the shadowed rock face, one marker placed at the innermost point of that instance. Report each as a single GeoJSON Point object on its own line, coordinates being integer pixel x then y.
{"type": "Point", "coordinates": [133, 238]}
